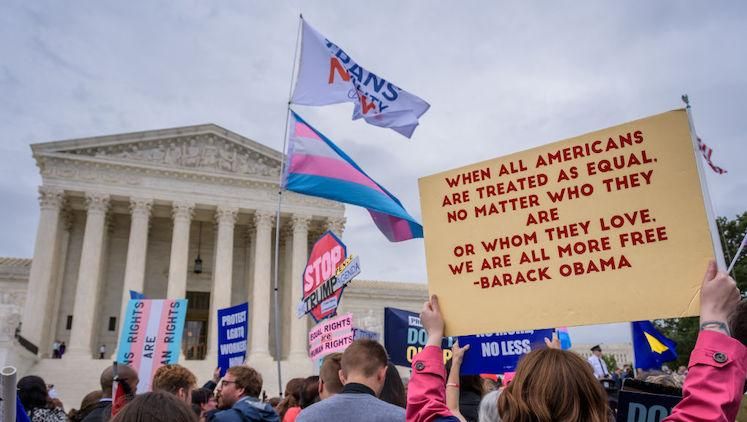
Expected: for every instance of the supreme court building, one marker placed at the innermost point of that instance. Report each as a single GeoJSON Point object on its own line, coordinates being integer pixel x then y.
{"type": "Point", "coordinates": [176, 213]}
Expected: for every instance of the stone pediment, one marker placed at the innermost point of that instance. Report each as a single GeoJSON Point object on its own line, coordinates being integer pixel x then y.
{"type": "Point", "coordinates": [204, 148]}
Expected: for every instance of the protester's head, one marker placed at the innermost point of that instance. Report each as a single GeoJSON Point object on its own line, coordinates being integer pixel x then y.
{"type": "Point", "coordinates": [239, 381]}
{"type": "Point", "coordinates": [394, 390]}
{"type": "Point", "coordinates": [488, 411]}
{"type": "Point", "coordinates": [126, 375]}
{"type": "Point", "coordinates": [552, 384]}
{"type": "Point", "coordinates": [32, 391]}
{"type": "Point", "coordinates": [471, 383]}
{"type": "Point", "coordinates": [738, 322]}
{"type": "Point", "coordinates": [596, 350]}
{"type": "Point", "coordinates": [203, 401]}
{"type": "Point", "coordinates": [88, 403]}
{"type": "Point", "coordinates": [365, 362]}
{"type": "Point", "coordinates": [489, 382]}
{"type": "Point", "coordinates": [668, 380]}
{"type": "Point", "coordinates": [156, 406]}
{"type": "Point", "coordinates": [682, 370]}
{"type": "Point", "coordinates": [329, 376]}
{"type": "Point", "coordinates": [274, 402]}
{"type": "Point", "coordinates": [292, 396]}
{"type": "Point", "coordinates": [293, 390]}
{"type": "Point", "coordinates": [175, 379]}
{"type": "Point", "coordinates": [309, 391]}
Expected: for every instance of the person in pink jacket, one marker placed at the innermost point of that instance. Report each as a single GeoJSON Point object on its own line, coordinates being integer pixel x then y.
{"type": "Point", "coordinates": [426, 393]}
{"type": "Point", "coordinates": [712, 391]}
{"type": "Point", "coordinates": [718, 365]}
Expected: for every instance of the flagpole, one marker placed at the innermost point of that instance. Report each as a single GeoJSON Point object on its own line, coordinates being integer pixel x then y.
{"type": "Point", "coordinates": [739, 252]}
{"type": "Point", "coordinates": [275, 293]}
{"type": "Point", "coordinates": [704, 188]}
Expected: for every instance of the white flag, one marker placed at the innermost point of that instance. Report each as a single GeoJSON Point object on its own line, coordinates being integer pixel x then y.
{"type": "Point", "coordinates": [329, 76]}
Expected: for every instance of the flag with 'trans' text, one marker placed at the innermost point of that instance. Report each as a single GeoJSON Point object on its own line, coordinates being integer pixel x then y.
{"type": "Point", "coordinates": [327, 75]}
{"type": "Point", "coordinates": [316, 166]}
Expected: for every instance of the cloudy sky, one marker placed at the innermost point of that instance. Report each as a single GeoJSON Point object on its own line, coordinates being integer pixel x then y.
{"type": "Point", "coordinates": [501, 77]}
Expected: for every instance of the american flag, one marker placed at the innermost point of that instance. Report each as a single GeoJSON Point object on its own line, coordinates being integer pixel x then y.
{"type": "Point", "coordinates": [707, 151]}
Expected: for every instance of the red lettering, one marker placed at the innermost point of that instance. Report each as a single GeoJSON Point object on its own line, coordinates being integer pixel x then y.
{"type": "Point", "coordinates": [336, 67]}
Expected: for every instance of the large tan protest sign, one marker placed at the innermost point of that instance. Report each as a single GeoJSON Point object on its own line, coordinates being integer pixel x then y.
{"type": "Point", "coordinates": [605, 227]}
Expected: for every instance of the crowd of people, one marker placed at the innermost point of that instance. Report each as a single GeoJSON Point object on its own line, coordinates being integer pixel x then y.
{"type": "Point", "coordinates": [360, 384]}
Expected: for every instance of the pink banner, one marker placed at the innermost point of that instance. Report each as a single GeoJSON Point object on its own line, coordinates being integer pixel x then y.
{"type": "Point", "coordinates": [330, 336]}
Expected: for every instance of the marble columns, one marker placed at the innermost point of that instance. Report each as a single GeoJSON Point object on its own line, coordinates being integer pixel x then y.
{"type": "Point", "coordinates": [260, 296]}
{"type": "Point", "coordinates": [223, 273]}
{"type": "Point", "coordinates": [137, 248]}
{"type": "Point", "coordinates": [42, 275]}
{"type": "Point", "coordinates": [178, 264]}
{"type": "Point", "coordinates": [298, 333]}
{"type": "Point", "coordinates": [89, 275]}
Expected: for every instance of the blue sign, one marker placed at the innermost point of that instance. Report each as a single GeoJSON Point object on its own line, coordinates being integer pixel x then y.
{"type": "Point", "coordinates": [232, 336]}
{"type": "Point", "coordinates": [500, 352]}
{"type": "Point", "coordinates": [633, 406]}
{"type": "Point", "coordinates": [405, 337]}
{"type": "Point", "coordinates": [365, 334]}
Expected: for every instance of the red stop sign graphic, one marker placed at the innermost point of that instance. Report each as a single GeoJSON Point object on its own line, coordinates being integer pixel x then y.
{"type": "Point", "coordinates": [328, 252]}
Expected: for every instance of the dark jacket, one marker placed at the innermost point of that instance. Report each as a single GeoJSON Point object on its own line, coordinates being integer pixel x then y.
{"type": "Point", "coordinates": [102, 412]}
{"type": "Point", "coordinates": [247, 409]}
{"type": "Point", "coordinates": [469, 405]}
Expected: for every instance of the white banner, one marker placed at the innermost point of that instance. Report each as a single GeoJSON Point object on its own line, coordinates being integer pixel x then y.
{"type": "Point", "coordinates": [327, 75]}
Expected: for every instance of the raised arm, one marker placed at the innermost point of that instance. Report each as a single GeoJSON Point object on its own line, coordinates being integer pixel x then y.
{"type": "Point", "coordinates": [426, 399]}
{"type": "Point", "coordinates": [718, 364]}
{"type": "Point", "coordinates": [452, 383]}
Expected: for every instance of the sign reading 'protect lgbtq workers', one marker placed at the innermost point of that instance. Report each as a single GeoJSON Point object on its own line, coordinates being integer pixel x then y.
{"type": "Point", "coordinates": [608, 226]}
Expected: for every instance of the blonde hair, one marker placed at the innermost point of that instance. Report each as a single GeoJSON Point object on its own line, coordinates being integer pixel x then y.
{"type": "Point", "coordinates": [553, 385]}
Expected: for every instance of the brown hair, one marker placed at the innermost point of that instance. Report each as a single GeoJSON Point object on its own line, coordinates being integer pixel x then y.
{"type": "Point", "coordinates": [171, 378]}
{"type": "Point", "coordinates": [393, 390]}
{"type": "Point", "coordinates": [309, 391]}
{"type": "Point", "coordinates": [553, 385]}
{"type": "Point", "coordinates": [292, 396]}
{"type": "Point", "coordinates": [329, 373]}
{"type": "Point", "coordinates": [89, 402]}
{"type": "Point", "coordinates": [156, 406]}
{"type": "Point", "coordinates": [364, 357]}
{"type": "Point", "coordinates": [248, 379]}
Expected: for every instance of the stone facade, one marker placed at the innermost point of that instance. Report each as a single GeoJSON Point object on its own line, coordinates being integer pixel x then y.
{"type": "Point", "coordinates": [133, 212]}
{"type": "Point", "coordinates": [14, 274]}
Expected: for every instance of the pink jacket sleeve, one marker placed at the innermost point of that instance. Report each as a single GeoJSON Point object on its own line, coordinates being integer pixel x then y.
{"type": "Point", "coordinates": [715, 380]}
{"type": "Point", "coordinates": [426, 392]}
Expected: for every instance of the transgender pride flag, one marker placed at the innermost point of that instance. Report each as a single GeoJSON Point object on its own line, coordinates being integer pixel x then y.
{"type": "Point", "coordinates": [315, 166]}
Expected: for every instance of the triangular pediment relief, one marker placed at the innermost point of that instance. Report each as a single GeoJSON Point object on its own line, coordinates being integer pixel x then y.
{"type": "Point", "coordinates": [207, 151]}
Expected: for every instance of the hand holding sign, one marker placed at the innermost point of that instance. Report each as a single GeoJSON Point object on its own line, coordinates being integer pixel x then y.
{"type": "Point", "coordinates": [719, 296]}
{"type": "Point", "coordinates": [457, 353]}
{"type": "Point", "coordinates": [554, 343]}
{"type": "Point", "coordinates": [432, 321]}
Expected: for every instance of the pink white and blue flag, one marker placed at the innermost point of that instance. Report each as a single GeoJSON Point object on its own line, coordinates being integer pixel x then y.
{"type": "Point", "coordinates": [316, 166]}
{"type": "Point", "coordinates": [151, 336]}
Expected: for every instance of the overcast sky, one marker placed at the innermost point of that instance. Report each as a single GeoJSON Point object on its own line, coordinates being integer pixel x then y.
{"type": "Point", "coordinates": [500, 78]}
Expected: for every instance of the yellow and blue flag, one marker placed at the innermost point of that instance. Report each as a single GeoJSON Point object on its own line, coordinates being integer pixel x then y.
{"type": "Point", "coordinates": [650, 347]}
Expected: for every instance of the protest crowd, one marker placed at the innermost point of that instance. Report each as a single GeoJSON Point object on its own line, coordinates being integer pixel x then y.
{"type": "Point", "coordinates": [360, 384]}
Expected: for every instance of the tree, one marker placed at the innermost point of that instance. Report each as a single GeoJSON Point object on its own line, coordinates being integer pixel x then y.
{"type": "Point", "coordinates": [684, 331]}
{"type": "Point", "coordinates": [610, 361]}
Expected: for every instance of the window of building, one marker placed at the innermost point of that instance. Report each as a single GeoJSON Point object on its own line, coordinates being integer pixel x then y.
{"type": "Point", "coordinates": [69, 323]}
{"type": "Point", "coordinates": [112, 323]}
